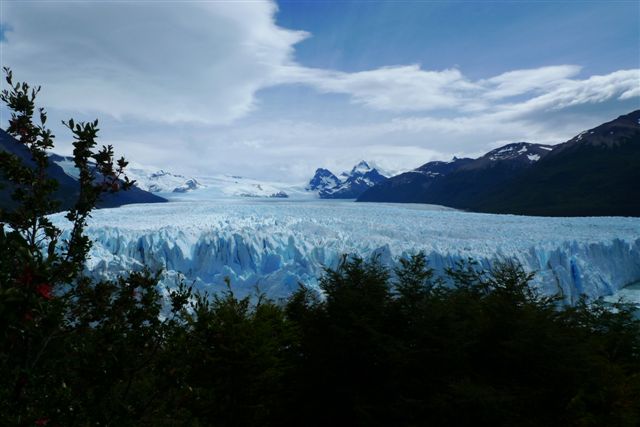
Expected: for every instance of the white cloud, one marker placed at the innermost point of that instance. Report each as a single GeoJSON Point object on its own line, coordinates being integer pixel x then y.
{"type": "Point", "coordinates": [406, 89]}
{"type": "Point", "coordinates": [196, 61]}
{"type": "Point", "coordinates": [619, 85]}
{"type": "Point", "coordinates": [402, 88]}
{"type": "Point", "coordinates": [520, 82]}
{"type": "Point", "coordinates": [633, 92]}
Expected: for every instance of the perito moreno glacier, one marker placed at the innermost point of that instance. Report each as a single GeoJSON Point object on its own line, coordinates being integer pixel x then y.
{"type": "Point", "coordinates": [274, 245]}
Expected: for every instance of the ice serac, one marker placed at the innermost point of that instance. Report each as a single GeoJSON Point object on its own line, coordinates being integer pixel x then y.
{"type": "Point", "coordinates": [277, 245]}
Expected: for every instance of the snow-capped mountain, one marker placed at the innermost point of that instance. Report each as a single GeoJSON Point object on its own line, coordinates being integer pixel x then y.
{"type": "Point", "coordinates": [146, 179]}
{"type": "Point", "coordinates": [205, 187]}
{"type": "Point", "coordinates": [161, 181]}
{"type": "Point", "coordinates": [594, 173]}
{"type": "Point", "coordinates": [460, 183]}
{"type": "Point", "coordinates": [322, 180]}
{"type": "Point", "coordinates": [350, 185]}
{"type": "Point", "coordinates": [234, 186]}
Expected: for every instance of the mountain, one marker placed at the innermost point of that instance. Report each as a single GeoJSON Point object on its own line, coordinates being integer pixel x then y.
{"type": "Point", "coordinates": [595, 173]}
{"type": "Point", "coordinates": [474, 181]}
{"type": "Point", "coordinates": [161, 181]}
{"type": "Point", "coordinates": [323, 179]}
{"type": "Point", "coordinates": [206, 187]}
{"type": "Point", "coordinates": [214, 187]}
{"type": "Point", "coordinates": [409, 187]}
{"type": "Point", "coordinates": [66, 192]}
{"type": "Point", "coordinates": [459, 183]}
{"type": "Point", "coordinates": [68, 187]}
{"type": "Point", "coordinates": [350, 185]}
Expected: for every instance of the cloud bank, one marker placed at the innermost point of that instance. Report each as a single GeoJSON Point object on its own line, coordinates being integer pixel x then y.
{"type": "Point", "coordinates": [161, 61]}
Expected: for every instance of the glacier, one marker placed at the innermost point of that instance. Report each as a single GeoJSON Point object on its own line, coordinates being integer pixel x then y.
{"type": "Point", "coordinates": [274, 245]}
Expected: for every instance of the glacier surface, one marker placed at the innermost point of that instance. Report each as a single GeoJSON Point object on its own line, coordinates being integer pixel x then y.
{"type": "Point", "coordinates": [276, 244]}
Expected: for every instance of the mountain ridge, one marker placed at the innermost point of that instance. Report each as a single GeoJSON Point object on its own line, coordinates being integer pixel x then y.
{"type": "Point", "coordinates": [597, 172]}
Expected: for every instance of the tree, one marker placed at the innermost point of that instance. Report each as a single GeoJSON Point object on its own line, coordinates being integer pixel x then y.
{"type": "Point", "coordinates": [39, 267]}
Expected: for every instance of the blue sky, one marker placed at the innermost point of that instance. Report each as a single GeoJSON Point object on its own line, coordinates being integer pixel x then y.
{"type": "Point", "coordinates": [274, 90]}
{"type": "Point", "coordinates": [483, 38]}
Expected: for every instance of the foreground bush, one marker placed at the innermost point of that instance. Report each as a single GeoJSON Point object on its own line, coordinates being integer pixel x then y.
{"type": "Point", "coordinates": [374, 347]}
{"type": "Point", "coordinates": [487, 351]}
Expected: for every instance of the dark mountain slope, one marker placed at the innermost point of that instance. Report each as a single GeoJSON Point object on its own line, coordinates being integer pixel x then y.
{"type": "Point", "coordinates": [68, 187]}
{"type": "Point", "coordinates": [594, 173]}
{"type": "Point", "coordinates": [462, 183]}
{"type": "Point", "coordinates": [472, 183]}
{"type": "Point", "coordinates": [67, 190]}
{"type": "Point", "coordinates": [410, 187]}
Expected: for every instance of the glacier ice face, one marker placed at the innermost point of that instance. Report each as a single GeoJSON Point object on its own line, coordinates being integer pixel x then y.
{"type": "Point", "coordinates": [277, 244]}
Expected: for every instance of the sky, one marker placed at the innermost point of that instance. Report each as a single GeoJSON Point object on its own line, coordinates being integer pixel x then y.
{"type": "Point", "coordinates": [274, 90]}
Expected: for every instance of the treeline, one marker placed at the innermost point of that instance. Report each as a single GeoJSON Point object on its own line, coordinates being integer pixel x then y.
{"type": "Point", "coordinates": [372, 350]}
{"type": "Point", "coordinates": [372, 347]}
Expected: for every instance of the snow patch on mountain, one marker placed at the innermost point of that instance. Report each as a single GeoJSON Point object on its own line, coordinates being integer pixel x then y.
{"type": "Point", "coordinates": [67, 164]}
{"type": "Point", "coordinates": [430, 174]}
{"type": "Point", "coordinates": [581, 135]}
{"type": "Point", "coordinates": [519, 151]}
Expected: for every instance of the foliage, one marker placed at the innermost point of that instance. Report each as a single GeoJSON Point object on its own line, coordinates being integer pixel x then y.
{"type": "Point", "coordinates": [372, 347]}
